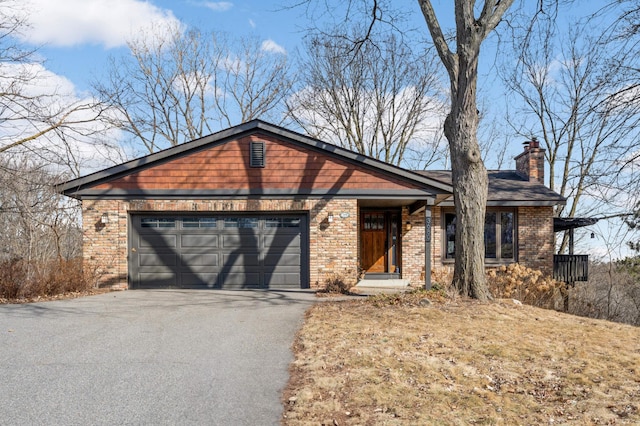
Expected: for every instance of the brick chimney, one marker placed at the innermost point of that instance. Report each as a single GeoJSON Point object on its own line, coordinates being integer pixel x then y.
{"type": "Point", "coordinates": [531, 162]}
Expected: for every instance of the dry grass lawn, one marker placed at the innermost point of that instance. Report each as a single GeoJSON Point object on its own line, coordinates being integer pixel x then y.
{"type": "Point", "coordinates": [390, 360]}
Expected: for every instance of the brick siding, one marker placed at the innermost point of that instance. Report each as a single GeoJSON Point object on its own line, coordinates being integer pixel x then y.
{"type": "Point", "coordinates": [333, 246]}
{"type": "Point", "coordinates": [536, 241]}
{"type": "Point", "coordinates": [413, 246]}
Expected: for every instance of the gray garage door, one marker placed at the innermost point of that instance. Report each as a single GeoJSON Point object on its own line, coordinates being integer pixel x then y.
{"type": "Point", "coordinates": [214, 251]}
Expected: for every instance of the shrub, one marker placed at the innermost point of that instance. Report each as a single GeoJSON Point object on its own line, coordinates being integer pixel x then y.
{"type": "Point", "coordinates": [336, 283]}
{"type": "Point", "coordinates": [441, 278]}
{"type": "Point", "coordinates": [527, 285]}
{"type": "Point", "coordinates": [20, 279]}
{"type": "Point", "coordinates": [13, 273]}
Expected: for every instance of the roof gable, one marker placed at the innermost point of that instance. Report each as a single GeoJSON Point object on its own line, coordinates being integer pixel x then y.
{"type": "Point", "coordinates": [219, 165]}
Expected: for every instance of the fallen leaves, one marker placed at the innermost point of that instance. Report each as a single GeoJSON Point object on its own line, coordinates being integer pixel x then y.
{"type": "Point", "coordinates": [392, 360]}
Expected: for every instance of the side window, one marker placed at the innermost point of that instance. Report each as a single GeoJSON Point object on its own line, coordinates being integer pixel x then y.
{"type": "Point", "coordinates": [506, 235]}
{"type": "Point", "coordinates": [499, 235]}
{"type": "Point", "coordinates": [490, 243]}
{"type": "Point", "coordinates": [450, 235]}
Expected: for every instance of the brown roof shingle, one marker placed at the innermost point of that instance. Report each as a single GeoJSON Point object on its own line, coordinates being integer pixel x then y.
{"type": "Point", "coordinates": [506, 188]}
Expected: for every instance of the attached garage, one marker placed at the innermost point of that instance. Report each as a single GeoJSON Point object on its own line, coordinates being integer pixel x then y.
{"type": "Point", "coordinates": [218, 251]}
{"type": "Point", "coordinates": [253, 206]}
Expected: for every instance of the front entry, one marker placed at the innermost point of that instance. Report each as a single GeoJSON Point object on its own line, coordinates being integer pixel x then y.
{"type": "Point", "coordinates": [379, 236]}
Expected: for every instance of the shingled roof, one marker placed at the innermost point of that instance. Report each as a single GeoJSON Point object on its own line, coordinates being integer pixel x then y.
{"type": "Point", "coordinates": [506, 188]}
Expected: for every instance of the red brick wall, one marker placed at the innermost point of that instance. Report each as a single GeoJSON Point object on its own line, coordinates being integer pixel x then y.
{"type": "Point", "coordinates": [288, 166]}
{"type": "Point", "coordinates": [531, 163]}
{"type": "Point", "coordinates": [105, 245]}
{"type": "Point", "coordinates": [333, 246]}
{"type": "Point", "coordinates": [413, 246]}
{"type": "Point", "coordinates": [536, 241]}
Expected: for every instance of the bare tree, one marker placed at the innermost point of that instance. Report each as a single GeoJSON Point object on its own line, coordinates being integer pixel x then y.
{"type": "Point", "coordinates": [381, 100]}
{"type": "Point", "coordinates": [32, 117]}
{"type": "Point", "coordinates": [177, 86]}
{"type": "Point", "coordinates": [575, 96]}
{"type": "Point", "coordinates": [252, 81]}
{"type": "Point", "coordinates": [470, 180]}
{"type": "Point", "coordinates": [612, 293]}
{"type": "Point", "coordinates": [36, 223]}
{"type": "Point", "coordinates": [633, 222]}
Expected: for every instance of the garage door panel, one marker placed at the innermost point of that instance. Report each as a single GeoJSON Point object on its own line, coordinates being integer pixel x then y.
{"type": "Point", "coordinates": [242, 279]}
{"type": "Point", "coordinates": [285, 279]}
{"type": "Point", "coordinates": [168, 260]}
{"type": "Point", "coordinates": [156, 241]}
{"type": "Point", "coordinates": [245, 241]}
{"type": "Point", "coordinates": [281, 241]}
{"type": "Point", "coordinates": [217, 251]}
{"type": "Point", "coordinates": [196, 241]}
{"type": "Point", "coordinates": [157, 279]}
{"type": "Point", "coordinates": [240, 260]}
{"type": "Point", "coordinates": [199, 259]}
{"type": "Point", "coordinates": [271, 260]}
{"type": "Point", "coordinates": [199, 279]}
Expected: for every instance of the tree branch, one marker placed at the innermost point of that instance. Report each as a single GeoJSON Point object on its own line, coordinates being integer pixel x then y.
{"type": "Point", "coordinates": [448, 58]}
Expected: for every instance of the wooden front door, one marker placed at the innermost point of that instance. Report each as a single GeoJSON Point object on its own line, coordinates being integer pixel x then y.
{"type": "Point", "coordinates": [379, 237]}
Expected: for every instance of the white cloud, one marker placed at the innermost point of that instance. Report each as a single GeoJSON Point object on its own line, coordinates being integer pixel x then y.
{"type": "Point", "coordinates": [217, 6]}
{"type": "Point", "coordinates": [107, 22]}
{"type": "Point", "coordinates": [273, 47]}
{"type": "Point", "coordinates": [252, 23]}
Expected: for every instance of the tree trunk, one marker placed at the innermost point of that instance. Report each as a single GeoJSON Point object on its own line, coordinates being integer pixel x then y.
{"type": "Point", "coordinates": [470, 180]}
{"type": "Point", "coordinates": [470, 184]}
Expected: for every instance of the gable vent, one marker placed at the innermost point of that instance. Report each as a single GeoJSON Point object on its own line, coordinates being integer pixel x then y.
{"type": "Point", "coordinates": [258, 153]}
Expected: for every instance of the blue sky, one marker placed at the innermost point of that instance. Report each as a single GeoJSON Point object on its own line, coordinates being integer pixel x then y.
{"type": "Point", "coordinates": [78, 37]}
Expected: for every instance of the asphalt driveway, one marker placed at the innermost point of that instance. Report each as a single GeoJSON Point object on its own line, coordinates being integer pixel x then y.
{"type": "Point", "coordinates": [149, 357]}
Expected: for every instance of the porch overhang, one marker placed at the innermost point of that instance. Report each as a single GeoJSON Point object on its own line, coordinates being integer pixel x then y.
{"type": "Point", "coordinates": [561, 224]}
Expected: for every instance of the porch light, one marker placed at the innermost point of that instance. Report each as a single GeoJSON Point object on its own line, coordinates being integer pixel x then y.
{"type": "Point", "coordinates": [330, 217]}
{"type": "Point", "coordinates": [104, 219]}
{"type": "Point", "coordinates": [407, 226]}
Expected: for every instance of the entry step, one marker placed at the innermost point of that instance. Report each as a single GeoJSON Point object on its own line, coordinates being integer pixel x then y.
{"type": "Point", "coordinates": [392, 283]}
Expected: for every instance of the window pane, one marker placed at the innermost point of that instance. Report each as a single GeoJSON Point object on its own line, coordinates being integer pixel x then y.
{"type": "Point", "coordinates": [373, 221]}
{"type": "Point", "coordinates": [490, 235]}
{"type": "Point", "coordinates": [282, 222]}
{"type": "Point", "coordinates": [152, 222]}
{"type": "Point", "coordinates": [506, 238]}
{"type": "Point", "coordinates": [240, 222]}
{"type": "Point", "coordinates": [450, 231]}
{"type": "Point", "coordinates": [199, 222]}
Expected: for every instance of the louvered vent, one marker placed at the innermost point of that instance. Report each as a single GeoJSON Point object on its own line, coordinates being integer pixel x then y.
{"type": "Point", "coordinates": [258, 151]}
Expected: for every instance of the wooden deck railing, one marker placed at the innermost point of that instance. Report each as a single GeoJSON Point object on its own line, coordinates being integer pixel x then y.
{"type": "Point", "coordinates": [570, 268]}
